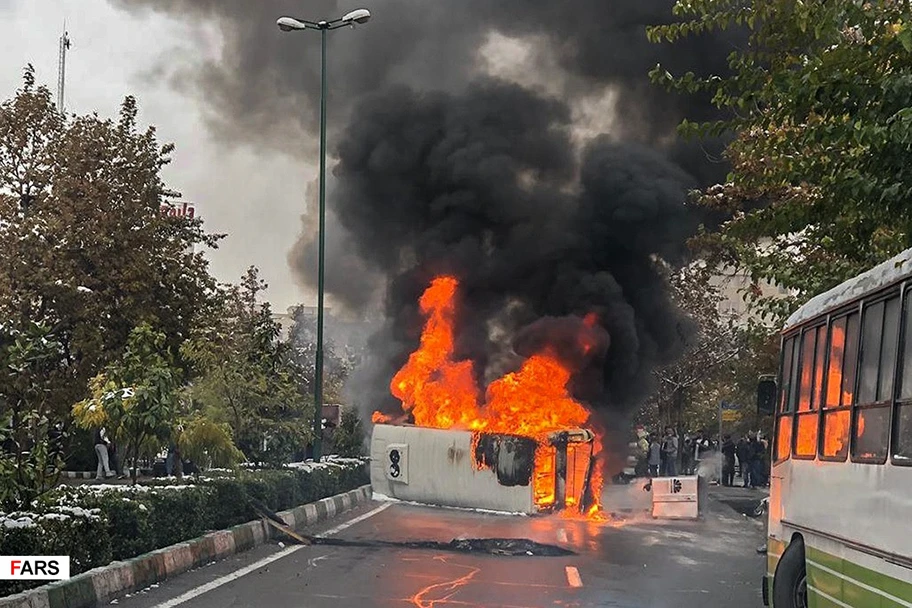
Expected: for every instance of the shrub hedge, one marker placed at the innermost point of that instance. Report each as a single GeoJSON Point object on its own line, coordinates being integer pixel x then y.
{"type": "Point", "coordinates": [95, 524]}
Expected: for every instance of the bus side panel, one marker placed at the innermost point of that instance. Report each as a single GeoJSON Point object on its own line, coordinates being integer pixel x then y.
{"type": "Point", "coordinates": [777, 538]}
{"type": "Point", "coordinates": [862, 503]}
{"type": "Point", "coordinates": [837, 572]}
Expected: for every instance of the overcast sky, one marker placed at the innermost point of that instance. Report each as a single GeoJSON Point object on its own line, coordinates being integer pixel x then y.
{"type": "Point", "coordinates": [256, 197]}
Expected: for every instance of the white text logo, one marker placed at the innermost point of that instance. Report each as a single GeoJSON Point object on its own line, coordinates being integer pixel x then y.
{"type": "Point", "coordinates": [34, 567]}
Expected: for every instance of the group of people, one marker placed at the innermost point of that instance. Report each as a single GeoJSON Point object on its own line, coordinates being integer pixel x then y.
{"type": "Point", "coordinates": [660, 456]}
{"type": "Point", "coordinates": [747, 456]}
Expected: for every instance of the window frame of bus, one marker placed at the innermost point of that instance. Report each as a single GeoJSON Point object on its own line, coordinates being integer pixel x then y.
{"type": "Point", "coordinates": [898, 400]}
{"type": "Point", "coordinates": [833, 319]}
{"type": "Point", "coordinates": [788, 393]}
{"type": "Point", "coordinates": [815, 392]}
{"type": "Point", "coordinates": [889, 403]}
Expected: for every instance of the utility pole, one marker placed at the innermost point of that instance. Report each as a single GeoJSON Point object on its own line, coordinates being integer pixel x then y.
{"type": "Point", "coordinates": [61, 67]}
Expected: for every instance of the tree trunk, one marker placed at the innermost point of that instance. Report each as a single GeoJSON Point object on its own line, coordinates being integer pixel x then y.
{"type": "Point", "coordinates": [134, 472]}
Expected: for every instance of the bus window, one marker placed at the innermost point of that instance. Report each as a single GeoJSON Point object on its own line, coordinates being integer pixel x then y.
{"type": "Point", "coordinates": [834, 372]}
{"type": "Point", "coordinates": [888, 351]}
{"type": "Point", "coordinates": [786, 369]}
{"type": "Point", "coordinates": [819, 362]}
{"type": "Point", "coordinates": [793, 378]}
{"type": "Point", "coordinates": [851, 361]}
{"type": "Point", "coordinates": [872, 326]}
{"type": "Point", "coordinates": [783, 437]}
{"type": "Point", "coordinates": [872, 429]}
{"type": "Point", "coordinates": [902, 452]}
{"type": "Point", "coordinates": [807, 370]}
{"type": "Point", "coordinates": [784, 420]}
{"type": "Point", "coordinates": [905, 381]}
{"type": "Point", "coordinates": [902, 438]}
{"type": "Point", "coordinates": [880, 331]}
{"type": "Point", "coordinates": [807, 423]}
{"type": "Point", "coordinates": [837, 418]}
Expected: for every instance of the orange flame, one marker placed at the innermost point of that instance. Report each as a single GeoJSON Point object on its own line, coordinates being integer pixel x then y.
{"type": "Point", "coordinates": [534, 401]}
{"type": "Point", "coordinates": [380, 418]}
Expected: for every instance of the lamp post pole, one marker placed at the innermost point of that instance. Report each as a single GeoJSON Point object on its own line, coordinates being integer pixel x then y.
{"type": "Point", "coordinates": [321, 238]}
{"type": "Point", "coordinates": [288, 24]}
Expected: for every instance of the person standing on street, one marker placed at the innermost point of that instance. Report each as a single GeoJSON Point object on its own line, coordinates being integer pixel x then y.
{"type": "Point", "coordinates": [741, 453]}
{"type": "Point", "coordinates": [655, 455]}
{"type": "Point", "coordinates": [747, 464]}
{"type": "Point", "coordinates": [757, 457]}
{"type": "Point", "coordinates": [728, 461]}
{"type": "Point", "coordinates": [687, 453]}
{"type": "Point", "coordinates": [114, 459]}
{"type": "Point", "coordinates": [670, 451]}
{"type": "Point", "coordinates": [101, 451]}
{"type": "Point", "coordinates": [642, 469]}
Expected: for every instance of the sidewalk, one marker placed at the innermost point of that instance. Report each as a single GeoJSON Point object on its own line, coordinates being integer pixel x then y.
{"type": "Point", "coordinates": [81, 478]}
{"type": "Point", "coordinates": [741, 499]}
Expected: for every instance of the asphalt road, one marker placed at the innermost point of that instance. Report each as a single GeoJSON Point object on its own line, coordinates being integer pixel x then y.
{"type": "Point", "coordinates": [637, 563]}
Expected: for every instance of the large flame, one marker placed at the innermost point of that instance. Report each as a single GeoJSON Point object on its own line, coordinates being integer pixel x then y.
{"type": "Point", "coordinates": [534, 401]}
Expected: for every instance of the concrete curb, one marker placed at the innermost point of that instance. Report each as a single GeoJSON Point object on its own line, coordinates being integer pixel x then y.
{"type": "Point", "coordinates": [103, 584]}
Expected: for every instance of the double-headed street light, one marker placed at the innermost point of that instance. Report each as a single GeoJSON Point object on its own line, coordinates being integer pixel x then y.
{"type": "Point", "coordinates": [290, 24]}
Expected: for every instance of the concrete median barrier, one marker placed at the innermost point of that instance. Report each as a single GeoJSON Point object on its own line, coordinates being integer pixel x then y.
{"type": "Point", "coordinates": [101, 585]}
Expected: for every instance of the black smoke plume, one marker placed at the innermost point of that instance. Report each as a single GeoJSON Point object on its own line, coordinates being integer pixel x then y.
{"type": "Point", "coordinates": [443, 169]}
{"type": "Point", "coordinates": [483, 185]}
{"type": "Point", "coordinates": [265, 85]}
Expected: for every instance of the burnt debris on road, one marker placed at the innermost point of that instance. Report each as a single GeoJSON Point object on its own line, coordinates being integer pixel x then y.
{"type": "Point", "coordinates": [494, 546]}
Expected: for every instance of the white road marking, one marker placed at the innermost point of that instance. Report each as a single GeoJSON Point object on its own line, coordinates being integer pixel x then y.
{"type": "Point", "coordinates": [561, 535]}
{"type": "Point", "coordinates": [573, 576]}
{"type": "Point", "coordinates": [198, 591]}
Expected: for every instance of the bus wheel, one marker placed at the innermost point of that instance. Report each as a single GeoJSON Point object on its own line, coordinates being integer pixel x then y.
{"type": "Point", "coordinates": [790, 584]}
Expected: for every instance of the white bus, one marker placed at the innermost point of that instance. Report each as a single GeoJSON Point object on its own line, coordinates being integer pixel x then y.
{"type": "Point", "coordinates": [841, 481]}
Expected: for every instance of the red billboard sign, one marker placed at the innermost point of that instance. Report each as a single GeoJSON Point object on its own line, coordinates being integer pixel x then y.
{"type": "Point", "coordinates": [179, 209]}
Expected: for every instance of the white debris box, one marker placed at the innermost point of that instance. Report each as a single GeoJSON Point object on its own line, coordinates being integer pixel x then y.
{"type": "Point", "coordinates": [481, 471]}
{"type": "Point", "coordinates": [675, 497]}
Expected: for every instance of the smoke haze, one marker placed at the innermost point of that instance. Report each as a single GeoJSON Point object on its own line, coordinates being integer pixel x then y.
{"type": "Point", "coordinates": [441, 167]}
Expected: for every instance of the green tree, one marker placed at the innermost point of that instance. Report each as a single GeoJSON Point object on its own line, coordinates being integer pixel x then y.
{"type": "Point", "coordinates": [338, 360]}
{"type": "Point", "coordinates": [206, 442]}
{"type": "Point", "coordinates": [348, 437]}
{"type": "Point", "coordinates": [86, 248]}
{"type": "Point", "coordinates": [136, 397]}
{"type": "Point", "coordinates": [817, 104]}
{"type": "Point", "coordinates": [30, 432]}
{"type": "Point", "coordinates": [247, 379]}
{"type": "Point", "coordinates": [711, 345]}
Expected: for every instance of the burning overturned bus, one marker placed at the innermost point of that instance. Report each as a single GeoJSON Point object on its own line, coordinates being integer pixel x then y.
{"type": "Point", "coordinates": [484, 471]}
{"type": "Point", "coordinates": [526, 447]}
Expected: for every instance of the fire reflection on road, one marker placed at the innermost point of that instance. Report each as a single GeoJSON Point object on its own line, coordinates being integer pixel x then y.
{"type": "Point", "coordinates": [424, 599]}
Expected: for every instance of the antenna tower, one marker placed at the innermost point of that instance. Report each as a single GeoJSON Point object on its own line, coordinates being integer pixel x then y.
{"type": "Point", "coordinates": [61, 68]}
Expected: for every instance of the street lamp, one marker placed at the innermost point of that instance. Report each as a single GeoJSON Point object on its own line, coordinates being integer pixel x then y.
{"type": "Point", "coordinates": [290, 24]}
